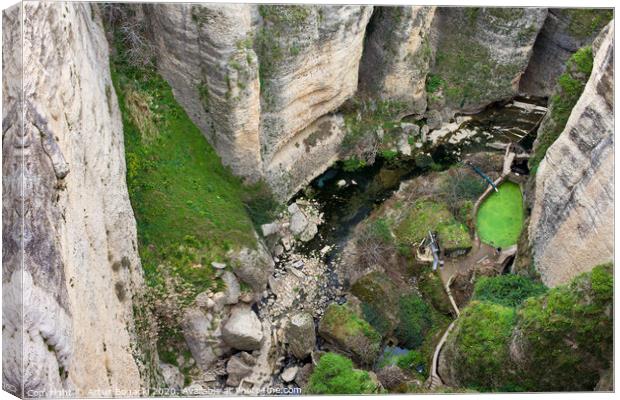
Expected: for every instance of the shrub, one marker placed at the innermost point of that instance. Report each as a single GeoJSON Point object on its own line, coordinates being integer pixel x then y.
{"type": "Point", "coordinates": [334, 374]}
{"type": "Point", "coordinates": [415, 321]}
{"type": "Point", "coordinates": [433, 83]}
{"type": "Point", "coordinates": [507, 290]}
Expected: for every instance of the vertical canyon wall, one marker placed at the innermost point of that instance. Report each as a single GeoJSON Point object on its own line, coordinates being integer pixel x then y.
{"type": "Point", "coordinates": [571, 226]}
{"type": "Point", "coordinates": [81, 267]}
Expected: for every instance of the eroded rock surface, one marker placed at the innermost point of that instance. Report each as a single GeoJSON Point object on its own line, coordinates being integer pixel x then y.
{"type": "Point", "coordinates": [82, 267]}
{"type": "Point", "coordinates": [571, 226]}
{"type": "Point", "coordinates": [396, 56]}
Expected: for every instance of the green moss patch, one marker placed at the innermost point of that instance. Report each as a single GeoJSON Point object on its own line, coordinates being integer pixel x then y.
{"type": "Point", "coordinates": [346, 330]}
{"type": "Point", "coordinates": [481, 336]}
{"type": "Point", "coordinates": [500, 216]}
{"type": "Point", "coordinates": [335, 374]}
{"type": "Point", "coordinates": [568, 333]}
{"type": "Point", "coordinates": [427, 215]}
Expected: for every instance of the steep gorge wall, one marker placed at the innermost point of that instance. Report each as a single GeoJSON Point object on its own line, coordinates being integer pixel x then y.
{"type": "Point", "coordinates": [481, 53]}
{"type": "Point", "coordinates": [571, 225]}
{"type": "Point", "coordinates": [259, 81]}
{"type": "Point", "coordinates": [397, 53]}
{"type": "Point", "coordinates": [565, 31]}
{"type": "Point", "coordinates": [81, 267]}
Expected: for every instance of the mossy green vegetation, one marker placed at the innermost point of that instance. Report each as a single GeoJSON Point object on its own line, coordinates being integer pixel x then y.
{"type": "Point", "coordinates": [187, 205]}
{"type": "Point", "coordinates": [568, 333]}
{"type": "Point", "coordinates": [432, 288]}
{"type": "Point", "coordinates": [343, 326]}
{"type": "Point", "coordinates": [557, 340]}
{"type": "Point", "coordinates": [566, 94]}
{"type": "Point", "coordinates": [507, 290]}
{"type": "Point", "coordinates": [379, 299]}
{"type": "Point", "coordinates": [415, 321]}
{"type": "Point", "coordinates": [190, 209]}
{"type": "Point", "coordinates": [334, 374]}
{"type": "Point", "coordinates": [585, 22]}
{"type": "Point", "coordinates": [482, 359]}
{"type": "Point", "coordinates": [425, 215]}
{"type": "Point", "coordinates": [500, 216]}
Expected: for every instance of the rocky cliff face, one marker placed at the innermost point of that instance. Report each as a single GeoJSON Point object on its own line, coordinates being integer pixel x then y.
{"type": "Point", "coordinates": [259, 81]}
{"type": "Point", "coordinates": [396, 56]}
{"type": "Point", "coordinates": [571, 226]}
{"type": "Point", "coordinates": [81, 266]}
{"type": "Point", "coordinates": [481, 53]}
{"type": "Point", "coordinates": [205, 53]}
{"type": "Point", "coordinates": [563, 33]}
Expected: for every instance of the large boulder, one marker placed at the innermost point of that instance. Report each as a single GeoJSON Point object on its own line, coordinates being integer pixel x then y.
{"type": "Point", "coordinates": [198, 334]}
{"type": "Point", "coordinates": [243, 329]}
{"type": "Point", "coordinates": [173, 378]}
{"type": "Point", "coordinates": [239, 366]}
{"type": "Point", "coordinates": [253, 266]}
{"type": "Point", "coordinates": [346, 332]}
{"type": "Point", "coordinates": [300, 335]}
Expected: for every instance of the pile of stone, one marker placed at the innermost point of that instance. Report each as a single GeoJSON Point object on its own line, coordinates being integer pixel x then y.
{"type": "Point", "coordinates": [299, 222]}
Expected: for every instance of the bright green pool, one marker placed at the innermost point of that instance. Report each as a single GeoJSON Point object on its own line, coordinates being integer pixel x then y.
{"type": "Point", "coordinates": [500, 216]}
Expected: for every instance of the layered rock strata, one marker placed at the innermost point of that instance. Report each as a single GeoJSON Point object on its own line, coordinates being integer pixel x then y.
{"type": "Point", "coordinates": [78, 235]}
{"type": "Point", "coordinates": [571, 226]}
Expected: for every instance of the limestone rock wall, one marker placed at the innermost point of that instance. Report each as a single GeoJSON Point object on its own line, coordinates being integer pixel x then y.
{"type": "Point", "coordinates": [259, 80]}
{"type": "Point", "coordinates": [397, 53]}
{"type": "Point", "coordinates": [571, 226]}
{"type": "Point", "coordinates": [206, 54]}
{"type": "Point", "coordinates": [81, 266]}
{"type": "Point", "coordinates": [565, 31]}
{"type": "Point", "coordinates": [481, 53]}
{"type": "Point", "coordinates": [309, 58]}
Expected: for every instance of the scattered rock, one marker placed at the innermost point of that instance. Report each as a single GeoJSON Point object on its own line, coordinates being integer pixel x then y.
{"type": "Point", "coordinates": [303, 375]}
{"type": "Point", "coordinates": [253, 266]}
{"type": "Point", "coordinates": [424, 133]}
{"type": "Point", "coordinates": [403, 145]}
{"type": "Point", "coordinates": [289, 374]}
{"type": "Point", "coordinates": [300, 335]}
{"type": "Point", "coordinates": [309, 233]}
{"type": "Point", "coordinates": [341, 183]}
{"type": "Point", "coordinates": [196, 331]}
{"type": "Point", "coordinates": [270, 228]}
{"type": "Point", "coordinates": [218, 265]}
{"type": "Point", "coordinates": [278, 250]}
{"type": "Point", "coordinates": [239, 366]}
{"type": "Point", "coordinates": [410, 129]}
{"type": "Point", "coordinates": [172, 376]}
{"type": "Point", "coordinates": [299, 222]}
{"type": "Point", "coordinates": [243, 329]}
{"type": "Point", "coordinates": [433, 119]}
{"type": "Point", "coordinates": [232, 290]}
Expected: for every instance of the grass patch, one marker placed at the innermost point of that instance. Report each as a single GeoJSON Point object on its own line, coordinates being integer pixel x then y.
{"type": "Point", "coordinates": [500, 217]}
{"type": "Point", "coordinates": [427, 215]}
